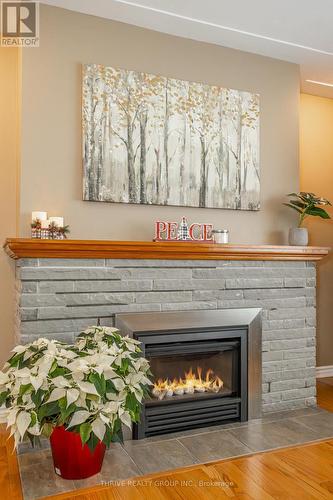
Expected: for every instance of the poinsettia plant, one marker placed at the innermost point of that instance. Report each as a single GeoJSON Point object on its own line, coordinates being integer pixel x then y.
{"type": "Point", "coordinates": [91, 387]}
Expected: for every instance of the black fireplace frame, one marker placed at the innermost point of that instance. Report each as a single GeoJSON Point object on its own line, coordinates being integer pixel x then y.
{"type": "Point", "coordinates": [217, 329]}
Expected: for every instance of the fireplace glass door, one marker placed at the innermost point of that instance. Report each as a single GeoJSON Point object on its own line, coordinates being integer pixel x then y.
{"type": "Point", "coordinates": [195, 370]}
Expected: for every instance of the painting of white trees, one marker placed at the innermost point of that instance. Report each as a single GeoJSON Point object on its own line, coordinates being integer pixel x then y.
{"type": "Point", "coordinates": [156, 140]}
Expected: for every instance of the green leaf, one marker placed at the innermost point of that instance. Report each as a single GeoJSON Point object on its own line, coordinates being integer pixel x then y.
{"type": "Point", "coordinates": [92, 397]}
{"type": "Point", "coordinates": [110, 387]}
{"type": "Point", "coordinates": [53, 366]}
{"type": "Point", "coordinates": [117, 437]}
{"type": "Point", "coordinates": [307, 197]}
{"type": "Point", "coordinates": [48, 409]}
{"type": "Point", "coordinates": [107, 436]}
{"type": "Point", "coordinates": [299, 204]}
{"type": "Point", "coordinates": [124, 365]}
{"type": "Point", "coordinates": [37, 397]}
{"type": "Point", "coordinates": [3, 397]}
{"type": "Point", "coordinates": [16, 360]}
{"type": "Point", "coordinates": [72, 408]}
{"type": "Point", "coordinates": [85, 431]}
{"type": "Point", "coordinates": [99, 383]}
{"type": "Point", "coordinates": [92, 442]}
{"type": "Point", "coordinates": [58, 372]}
{"type": "Point", "coordinates": [47, 429]}
{"type": "Point", "coordinates": [33, 419]}
{"type": "Point", "coordinates": [292, 206]}
{"type": "Point", "coordinates": [145, 390]}
{"type": "Point", "coordinates": [131, 403]}
{"type": "Point", "coordinates": [25, 388]}
{"type": "Point", "coordinates": [116, 426]}
{"type": "Point", "coordinates": [319, 212]}
{"type": "Point", "coordinates": [66, 411]}
{"type": "Point", "coordinates": [62, 403]}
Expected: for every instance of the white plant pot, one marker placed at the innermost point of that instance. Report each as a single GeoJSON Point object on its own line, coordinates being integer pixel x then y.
{"type": "Point", "coordinates": [298, 236]}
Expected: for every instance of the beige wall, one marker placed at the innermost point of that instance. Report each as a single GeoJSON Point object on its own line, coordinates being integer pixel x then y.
{"type": "Point", "coordinates": [51, 141]}
{"type": "Point", "coordinates": [51, 176]}
{"type": "Point", "coordinates": [316, 175]}
{"type": "Point", "coordinates": [9, 159]}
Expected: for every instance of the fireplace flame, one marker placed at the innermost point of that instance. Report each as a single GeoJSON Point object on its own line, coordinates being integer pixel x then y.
{"type": "Point", "coordinates": [192, 382]}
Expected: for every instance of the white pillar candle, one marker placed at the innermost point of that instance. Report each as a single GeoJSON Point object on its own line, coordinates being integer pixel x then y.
{"type": "Point", "coordinates": [45, 224]}
{"type": "Point", "coordinates": [58, 221]}
{"type": "Point", "coordinates": [38, 215]}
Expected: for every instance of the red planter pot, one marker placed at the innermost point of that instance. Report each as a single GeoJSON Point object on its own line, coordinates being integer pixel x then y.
{"type": "Point", "coordinates": [72, 460]}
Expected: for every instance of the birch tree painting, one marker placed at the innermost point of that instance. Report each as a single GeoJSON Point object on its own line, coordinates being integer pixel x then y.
{"type": "Point", "coordinates": [155, 140]}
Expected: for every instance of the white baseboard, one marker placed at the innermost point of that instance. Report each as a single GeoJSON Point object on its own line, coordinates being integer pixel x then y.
{"type": "Point", "coordinates": [324, 371]}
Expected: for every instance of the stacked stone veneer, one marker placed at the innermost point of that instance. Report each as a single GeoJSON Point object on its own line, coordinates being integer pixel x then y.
{"type": "Point", "coordinates": [57, 298]}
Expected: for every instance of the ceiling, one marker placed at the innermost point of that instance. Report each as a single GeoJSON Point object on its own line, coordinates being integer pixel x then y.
{"type": "Point", "coordinates": [298, 31]}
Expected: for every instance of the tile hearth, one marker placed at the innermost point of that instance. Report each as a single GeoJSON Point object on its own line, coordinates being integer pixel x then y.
{"type": "Point", "coordinates": [160, 453]}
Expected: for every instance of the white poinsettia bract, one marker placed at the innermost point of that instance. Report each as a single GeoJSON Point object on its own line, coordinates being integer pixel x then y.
{"type": "Point", "coordinates": [92, 387]}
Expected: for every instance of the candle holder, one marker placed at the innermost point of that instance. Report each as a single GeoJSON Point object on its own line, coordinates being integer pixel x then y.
{"type": "Point", "coordinates": [49, 229]}
{"type": "Point", "coordinates": [35, 233]}
{"type": "Point", "coordinates": [45, 234]}
{"type": "Point", "coordinates": [53, 231]}
{"type": "Point", "coordinates": [36, 229]}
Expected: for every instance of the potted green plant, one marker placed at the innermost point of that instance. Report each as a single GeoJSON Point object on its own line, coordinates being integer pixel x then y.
{"type": "Point", "coordinates": [77, 395]}
{"type": "Point", "coordinates": [305, 204]}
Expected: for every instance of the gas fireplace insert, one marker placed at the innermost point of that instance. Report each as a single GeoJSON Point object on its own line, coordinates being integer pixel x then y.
{"type": "Point", "coordinates": [206, 367]}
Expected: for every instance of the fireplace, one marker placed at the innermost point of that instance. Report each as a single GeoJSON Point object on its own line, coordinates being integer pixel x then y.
{"type": "Point", "coordinates": [206, 367]}
{"type": "Point", "coordinates": [198, 382]}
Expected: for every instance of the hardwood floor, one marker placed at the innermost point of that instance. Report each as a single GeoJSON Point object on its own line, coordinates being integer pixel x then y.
{"type": "Point", "coordinates": [302, 472]}
{"type": "Point", "coordinates": [10, 485]}
{"type": "Point", "coordinates": [325, 393]}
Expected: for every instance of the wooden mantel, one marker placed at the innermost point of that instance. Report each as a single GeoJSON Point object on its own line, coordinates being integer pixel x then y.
{"type": "Point", "coordinates": [18, 248]}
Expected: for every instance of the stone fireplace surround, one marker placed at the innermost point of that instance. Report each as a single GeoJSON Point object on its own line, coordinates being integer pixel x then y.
{"type": "Point", "coordinates": [58, 297]}
{"type": "Point", "coordinates": [64, 286]}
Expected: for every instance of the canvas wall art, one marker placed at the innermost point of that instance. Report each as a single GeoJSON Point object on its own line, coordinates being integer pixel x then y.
{"type": "Point", "coordinates": [155, 140]}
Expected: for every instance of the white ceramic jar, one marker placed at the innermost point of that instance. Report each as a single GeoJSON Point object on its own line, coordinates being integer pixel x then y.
{"type": "Point", "coordinates": [220, 235]}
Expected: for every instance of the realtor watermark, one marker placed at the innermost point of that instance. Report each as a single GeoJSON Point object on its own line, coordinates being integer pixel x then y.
{"type": "Point", "coordinates": [19, 24]}
{"type": "Point", "coordinates": [169, 483]}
